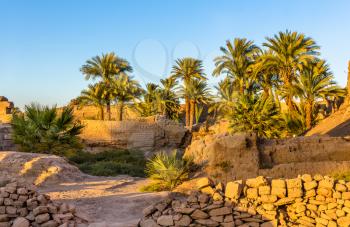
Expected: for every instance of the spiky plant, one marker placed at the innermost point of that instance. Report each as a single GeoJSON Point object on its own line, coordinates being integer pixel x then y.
{"type": "Point", "coordinates": [169, 169]}
{"type": "Point", "coordinates": [94, 95]}
{"type": "Point", "coordinates": [252, 113]}
{"type": "Point", "coordinates": [42, 129]}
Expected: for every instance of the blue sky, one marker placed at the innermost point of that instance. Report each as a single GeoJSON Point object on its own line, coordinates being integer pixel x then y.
{"type": "Point", "coordinates": [44, 43]}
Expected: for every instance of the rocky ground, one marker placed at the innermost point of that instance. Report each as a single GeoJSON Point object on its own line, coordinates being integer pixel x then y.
{"type": "Point", "coordinates": [112, 201]}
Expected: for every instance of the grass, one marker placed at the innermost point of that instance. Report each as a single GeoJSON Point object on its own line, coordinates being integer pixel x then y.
{"type": "Point", "coordinates": [110, 163]}
{"type": "Point", "coordinates": [342, 176]}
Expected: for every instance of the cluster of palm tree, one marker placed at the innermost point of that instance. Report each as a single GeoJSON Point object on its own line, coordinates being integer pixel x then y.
{"type": "Point", "coordinates": [260, 81]}
{"type": "Point", "coordinates": [273, 91]}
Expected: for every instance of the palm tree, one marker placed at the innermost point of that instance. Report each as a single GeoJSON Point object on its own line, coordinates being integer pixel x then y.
{"type": "Point", "coordinates": [236, 62]}
{"type": "Point", "coordinates": [315, 82]}
{"type": "Point", "coordinates": [106, 68]}
{"type": "Point", "coordinates": [289, 52]}
{"type": "Point", "coordinates": [253, 113]}
{"type": "Point", "coordinates": [196, 92]}
{"type": "Point", "coordinates": [168, 100]}
{"type": "Point", "coordinates": [94, 95]}
{"type": "Point", "coordinates": [124, 89]}
{"type": "Point", "coordinates": [188, 69]}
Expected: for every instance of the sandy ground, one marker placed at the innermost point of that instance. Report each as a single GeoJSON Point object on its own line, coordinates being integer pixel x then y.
{"type": "Point", "coordinates": [107, 202]}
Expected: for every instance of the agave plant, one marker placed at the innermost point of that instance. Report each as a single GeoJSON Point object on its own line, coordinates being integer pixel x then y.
{"type": "Point", "coordinates": [170, 170]}
{"type": "Point", "coordinates": [42, 129]}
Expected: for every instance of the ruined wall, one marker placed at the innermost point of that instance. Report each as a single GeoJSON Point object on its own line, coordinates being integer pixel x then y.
{"type": "Point", "coordinates": [243, 156]}
{"type": "Point", "coordinates": [6, 109]}
{"type": "Point", "coordinates": [6, 143]}
{"type": "Point", "coordinates": [147, 135]}
{"type": "Point", "coordinates": [302, 201]}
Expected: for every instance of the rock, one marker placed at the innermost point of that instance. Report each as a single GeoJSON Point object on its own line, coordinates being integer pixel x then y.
{"type": "Point", "coordinates": [233, 190]}
{"type": "Point", "coordinates": [185, 220]}
{"type": "Point", "coordinates": [50, 223]}
{"type": "Point", "coordinates": [3, 218]}
{"type": "Point", "coordinates": [186, 210]}
{"type": "Point", "coordinates": [149, 223]}
{"type": "Point", "coordinates": [40, 210]}
{"type": "Point", "coordinates": [165, 220]}
{"type": "Point", "coordinates": [20, 222]}
{"type": "Point", "coordinates": [256, 182]}
{"type": "Point", "coordinates": [207, 222]}
{"type": "Point", "coordinates": [198, 214]}
{"type": "Point", "coordinates": [41, 218]}
{"type": "Point", "coordinates": [220, 211]}
{"type": "Point", "coordinates": [149, 210]}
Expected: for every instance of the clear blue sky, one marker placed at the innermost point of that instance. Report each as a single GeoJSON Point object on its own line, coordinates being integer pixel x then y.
{"type": "Point", "coordinates": [44, 43]}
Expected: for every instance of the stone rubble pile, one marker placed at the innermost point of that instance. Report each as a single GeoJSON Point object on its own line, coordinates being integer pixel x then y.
{"type": "Point", "coordinates": [302, 201]}
{"type": "Point", "coordinates": [22, 206]}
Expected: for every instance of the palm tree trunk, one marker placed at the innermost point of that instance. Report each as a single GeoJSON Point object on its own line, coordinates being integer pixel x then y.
{"type": "Point", "coordinates": [187, 109]}
{"type": "Point", "coordinates": [108, 109]}
{"type": "Point", "coordinates": [289, 97]}
{"type": "Point", "coordinates": [192, 112]}
{"type": "Point", "coordinates": [102, 113]}
{"type": "Point", "coordinates": [308, 112]}
{"type": "Point", "coordinates": [120, 112]}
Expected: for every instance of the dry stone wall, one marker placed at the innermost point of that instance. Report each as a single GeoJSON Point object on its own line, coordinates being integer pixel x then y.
{"type": "Point", "coordinates": [22, 206]}
{"type": "Point", "coordinates": [302, 201]}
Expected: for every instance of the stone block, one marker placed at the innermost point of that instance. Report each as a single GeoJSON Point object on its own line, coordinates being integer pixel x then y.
{"type": "Point", "coordinates": [233, 190]}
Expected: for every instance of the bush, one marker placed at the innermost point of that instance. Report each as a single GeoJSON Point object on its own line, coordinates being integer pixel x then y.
{"type": "Point", "coordinates": [41, 129]}
{"type": "Point", "coordinates": [110, 163]}
{"type": "Point", "coordinates": [168, 170]}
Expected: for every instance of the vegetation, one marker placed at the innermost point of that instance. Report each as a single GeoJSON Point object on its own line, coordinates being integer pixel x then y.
{"type": "Point", "coordinates": [110, 163]}
{"type": "Point", "coordinates": [42, 129]}
{"type": "Point", "coordinates": [284, 87]}
{"type": "Point", "coordinates": [168, 171]}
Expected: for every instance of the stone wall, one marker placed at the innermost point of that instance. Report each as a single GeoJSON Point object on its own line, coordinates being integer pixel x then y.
{"type": "Point", "coordinates": [22, 206]}
{"type": "Point", "coordinates": [6, 143]}
{"type": "Point", "coordinates": [302, 201]}
{"type": "Point", "coordinates": [147, 135]}
{"type": "Point", "coordinates": [242, 156]}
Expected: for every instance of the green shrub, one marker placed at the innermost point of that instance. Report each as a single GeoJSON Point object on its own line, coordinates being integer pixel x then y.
{"type": "Point", "coordinates": [168, 170]}
{"type": "Point", "coordinates": [110, 163]}
{"type": "Point", "coordinates": [42, 129]}
{"type": "Point", "coordinates": [154, 187]}
{"type": "Point", "coordinates": [342, 176]}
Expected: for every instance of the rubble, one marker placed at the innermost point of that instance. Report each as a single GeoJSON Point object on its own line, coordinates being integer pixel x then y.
{"type": "Point", "coordinates": [22, 206]}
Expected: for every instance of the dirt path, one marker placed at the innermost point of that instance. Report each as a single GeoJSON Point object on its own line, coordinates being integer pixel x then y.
{"type": "Point", "coordinates": [107, 202]}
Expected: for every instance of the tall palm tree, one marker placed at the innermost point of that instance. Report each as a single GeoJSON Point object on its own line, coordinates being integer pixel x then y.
{"type": "Point", "coordinates": [188, 69]}
{"type": "Point", "coordinates": [315, 82]}
{"type": "Point", "coordinates": [196, 92]}
{"type": "Point", "coordinates": [125, 89]}
{"type": "Point", "coordinates": [106, 68]}
{"type": "Point", "coordinates": [289, 52]}
{"type": "Point", "coordinates": [94, 95]}
{"type": "Point", "coordinates": [236, 62]}
{"type": "Point", "coordinates": [168, 99]}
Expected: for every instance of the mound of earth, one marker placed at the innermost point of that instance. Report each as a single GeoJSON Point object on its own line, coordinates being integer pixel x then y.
{"type": "Point", "coordinates": [337, 124]}
{"type": "Point", "coordinates": [38, 169]}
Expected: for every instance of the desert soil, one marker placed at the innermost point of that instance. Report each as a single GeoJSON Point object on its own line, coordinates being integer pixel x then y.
{"type": "Point", "coordinates": [106, 201]}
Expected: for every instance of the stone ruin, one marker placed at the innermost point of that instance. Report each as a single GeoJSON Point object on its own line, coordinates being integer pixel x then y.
{"type": "Point", "coordinates": [6, 109]}
{"type": "Point", "coordinates": [302, 201]}
{"type": "Point", "coordinates": [22, 206]}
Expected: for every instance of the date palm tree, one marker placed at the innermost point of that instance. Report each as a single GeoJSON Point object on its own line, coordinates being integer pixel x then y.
{"type": "Point", "coordinates": [188, 69]}
{"type": "Point", "coordinates": [124, 89]}
{"type": "Point", "coordinates": [94, 95]}
{"type": "Point", "coordinates": [236, 62]}
{"type": "Point", "coordinates": [197, 92]}
{"type": "Point", "coordinates": [288, 53]}
{"type": "Point", "coordinates": [106, 67]}
{"type": "Point", "coordinates": [168, 99]}
{"type": "Point", "coordinates": [315, 82]}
